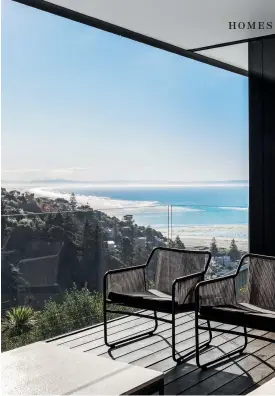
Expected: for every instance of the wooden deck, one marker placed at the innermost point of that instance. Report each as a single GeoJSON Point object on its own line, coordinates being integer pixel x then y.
{"type": "Point", "coordinates": [237, 376]}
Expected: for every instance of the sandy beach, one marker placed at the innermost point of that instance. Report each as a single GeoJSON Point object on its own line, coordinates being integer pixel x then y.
{"type": "Point", "coordinates": [201, 235]}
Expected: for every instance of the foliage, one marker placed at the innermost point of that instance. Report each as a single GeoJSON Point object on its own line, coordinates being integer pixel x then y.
{"type": "Point", "coordinates": [19, 320]}
{"type": "Point", "coordinates": [73, 203]}
{"type": "Point", "coordinates": [149, 234]}
{"type": "Point", "coordinates": [79, 308]}
{"type": "Point", "coordinates": [243, 295]}
{"type": "Point", "coordinates": [151, 284]}
{"type": "Point", "coordinates": [127, 251]}
{"type": "Point", "coordinates": [178, 244]}
{"type": "Point", "coordinates": [214, 248]}
{"type": "Point", "coordinates": [234, 252]}
{"type": "Point", "coordinates": [11, 279]}
{"type": "Point", "coordinates": [139, 255]}
{"type": "Point", "coordinates": [82, 237]}
{"type": "Point", "coordinates": [244, 290]}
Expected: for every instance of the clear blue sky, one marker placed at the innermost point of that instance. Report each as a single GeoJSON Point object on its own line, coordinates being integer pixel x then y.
{"type": "Point", "coordinates": [82, 104]}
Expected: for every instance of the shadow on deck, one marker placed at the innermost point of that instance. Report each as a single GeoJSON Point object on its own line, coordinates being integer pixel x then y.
{"type": "Point", "coordinates": [237, 376]}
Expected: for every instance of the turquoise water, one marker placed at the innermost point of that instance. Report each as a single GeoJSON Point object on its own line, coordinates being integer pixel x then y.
{"type": "Point", "coordinates": [204, 206]}
{"type": "Point", "coordinates": [201, 211]}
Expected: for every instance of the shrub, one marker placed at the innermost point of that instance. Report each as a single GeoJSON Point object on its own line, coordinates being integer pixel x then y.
{"type": "Point", "coordinates": [18, 321]}
{"type": "Point", "coordinates": [79, 308]}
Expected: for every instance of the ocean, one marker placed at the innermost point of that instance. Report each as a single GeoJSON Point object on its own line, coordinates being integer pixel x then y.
{"type": "Point", "coordinates": [199, 212]}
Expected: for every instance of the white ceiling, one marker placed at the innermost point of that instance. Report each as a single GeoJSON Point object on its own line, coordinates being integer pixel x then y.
{"type": "Point", "coordinates": [235, 55]}
{"type": "Point", "coordinates": [188, 24]}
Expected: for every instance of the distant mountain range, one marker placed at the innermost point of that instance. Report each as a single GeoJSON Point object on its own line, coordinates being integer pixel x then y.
{"type": "Point", "coordinates": [65, 181]}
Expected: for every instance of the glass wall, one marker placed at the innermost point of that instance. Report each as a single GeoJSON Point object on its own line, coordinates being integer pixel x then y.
{"type": "Point", "coordinates": [109, 149]}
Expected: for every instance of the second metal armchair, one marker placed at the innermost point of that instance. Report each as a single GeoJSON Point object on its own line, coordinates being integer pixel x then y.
{"type": "Point", "coordinates": [220, 300]}
{"type": "Point", "coordinates": [176, 273]}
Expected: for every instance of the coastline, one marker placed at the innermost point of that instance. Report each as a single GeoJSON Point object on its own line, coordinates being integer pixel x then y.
{"type": "Point", "coordinates": [154, 214]}
{"type": "Point", "coordinates": [201, 235]}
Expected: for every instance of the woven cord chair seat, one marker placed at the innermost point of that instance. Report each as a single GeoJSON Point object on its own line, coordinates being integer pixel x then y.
{"type": "Point", "coordinates": [241, 315]}
{"type": "Point", "coordinates": [149, 299]}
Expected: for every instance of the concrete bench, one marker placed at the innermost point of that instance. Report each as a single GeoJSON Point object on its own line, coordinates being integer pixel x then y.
{"type": "Point", "coordinates": [45, 369]}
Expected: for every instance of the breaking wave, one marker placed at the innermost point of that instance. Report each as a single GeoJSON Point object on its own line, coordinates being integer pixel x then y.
{"type": "Point", "coordinates": [239, 208]}
{"type": "Point", "coordinates": [111, 206]}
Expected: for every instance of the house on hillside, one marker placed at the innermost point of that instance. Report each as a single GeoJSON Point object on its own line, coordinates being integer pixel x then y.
{"type": "Point", "coordinates": [41, 280]}
{"type": "Point", "coordinates": [111, 246]}
{"type": "Point", "coordinates": [141, 242]}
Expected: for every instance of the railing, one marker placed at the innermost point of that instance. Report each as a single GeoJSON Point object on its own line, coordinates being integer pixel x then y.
{"type": "Point", "coordinates": [54, 260]}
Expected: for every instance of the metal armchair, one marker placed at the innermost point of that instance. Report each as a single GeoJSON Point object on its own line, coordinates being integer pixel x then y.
{"type": "Point", "coordinates": [177, 272]}
{"type": "Point", "coordinates": [220, 300]}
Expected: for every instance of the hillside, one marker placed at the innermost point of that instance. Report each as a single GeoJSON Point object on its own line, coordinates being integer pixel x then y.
{"type": "Point", "coordinates": [90, 241]}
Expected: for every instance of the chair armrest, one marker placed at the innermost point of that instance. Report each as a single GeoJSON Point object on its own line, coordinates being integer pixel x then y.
{"type": "Point", "coordinates": [183, 288]}
{"type": "Point", "coordinates": [215, 292]}
{"type": "Point", "coordinates": [124, 269]}
{"type": "Point", "coordinates": [125, 280]}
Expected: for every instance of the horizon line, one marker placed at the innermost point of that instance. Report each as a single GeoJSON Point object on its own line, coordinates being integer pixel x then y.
{"type": "Point", "coordinates": [54, 180]}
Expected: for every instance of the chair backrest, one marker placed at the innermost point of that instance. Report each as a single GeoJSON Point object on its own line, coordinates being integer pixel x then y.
{"type": "Point", "coordinates": [174, 263]}
{"type": "Point", "coordinates": [260, 285]}
{"type": "Point", "coordinates": [261, 281]}
{"type": "Point", "coordinates": [127, 282]}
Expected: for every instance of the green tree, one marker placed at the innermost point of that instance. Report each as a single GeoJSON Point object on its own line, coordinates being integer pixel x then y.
{"type": "Point", "coordinates": [140, 255]}
{"type": "Point", "coordinates": [49, 221]}
{"type": "Point", "coordinates": [214, 248]}
{"type": "Point", "coordinates": [149, 234]}
{"type": "Point", "coordinates": [58, 220]}
{"type": "Point", "coordinates": [97, 242]}
{"type": "Point", "coordinates": [68, 271]}
{"type": "Point", "coordinates": [69, 226]}
{"type": "Point", "coordinates": [11, 279]}
{"type": "Point", "coordinates": [127, 251]}
{"type": "Point", "coordinates": [88, 254]}
{"type": "Point", "coordinates": [73, 203]}
{"type": "Point", "coordinates": [38, 225]}
{"type": "Point", "coordinates": [4, 222]}
{"type": "Point", "coordinates": [87, 235]}
{"type": "Point", "coordinates": [115, 231]}
{"type": "Point", "coordinates": [178, 244]}
{"type": "Point", "coordinates": [56, 233]}
{"type": "Point", "coordinates": [233, 251]}
{"type": "Point", "coordinates": [92, 254]}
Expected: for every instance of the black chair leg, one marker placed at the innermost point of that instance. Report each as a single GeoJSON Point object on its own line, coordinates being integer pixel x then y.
{"type": "Point", "coordinates": [174, 336]}
{"type": "Point", "coordinates": [124, 340]}
{"type": "Point", "coordinates": [205, 365]}
{"type": "Point", "coordinates": [181, 358]}
{"type": "Point", "coordinates": [210, 332]}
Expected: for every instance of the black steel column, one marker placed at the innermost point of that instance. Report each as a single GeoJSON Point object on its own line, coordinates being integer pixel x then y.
{"type": "Point", "coordinates": [262, 146]}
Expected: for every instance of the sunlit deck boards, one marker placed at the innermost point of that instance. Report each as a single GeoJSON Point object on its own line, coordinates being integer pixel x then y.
{"type": "Point", "coordinates": [237, 376]}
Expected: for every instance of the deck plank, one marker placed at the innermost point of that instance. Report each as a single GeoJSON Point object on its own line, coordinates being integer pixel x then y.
{"type": "Point", "coordinates": [231, 374]}
{"type": "Point", "coordinates": [121, 333]}
{"type": "Point", "coordinates": [96, 331]}
{"type": "Point", "coordinates": [114, 334]}
{"type": "Point", "coordinates": [194, 382]}
{"type": "Point", "coordinates": [253, 376]}
{"type": "Point", "coordinates": [161, 339]}
{"type": "Point", "coordinates": [235, 376]}
{"type": "Point", "coordinates": [183, 347]}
